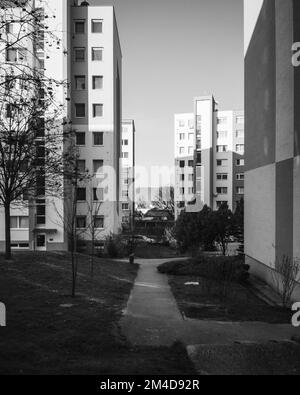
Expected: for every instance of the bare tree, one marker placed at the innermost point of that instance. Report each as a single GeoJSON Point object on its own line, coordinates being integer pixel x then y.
{"type": "Point", "coordinates": [286, 274]}
{"type": "Point", "coordinates": [165, 201]}
{"type": "Point", "coordinates": [31, 133]}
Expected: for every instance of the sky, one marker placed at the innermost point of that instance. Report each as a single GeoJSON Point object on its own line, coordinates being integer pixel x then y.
{"type": "Point", "coordinates": [174, 50]}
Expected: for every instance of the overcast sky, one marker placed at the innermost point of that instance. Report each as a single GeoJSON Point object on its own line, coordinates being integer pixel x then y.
{"type": "Point", "coordinates": [174, 50]}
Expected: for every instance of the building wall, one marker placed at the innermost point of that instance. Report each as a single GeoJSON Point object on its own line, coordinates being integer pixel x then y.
{"type": "Point", "coordinates": [271, 105]}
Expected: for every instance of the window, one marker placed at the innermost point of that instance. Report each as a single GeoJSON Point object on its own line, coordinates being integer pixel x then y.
{"type": "Point", "coordinates": [97, 110]}
{"type": "Point", "coordinates": [191, 136]}
{"type": "Point", "coordinates": [181, 123]}
{"type": "Point", "coordinates": [98, 222]}
{"type": "Point", "coordinates": [181, 150]}
{"type": "Point", "coordinates": [80, 82]}
{"type": "Point", "coordinates": [98, 138]}
{"type": "Point", "coordinates": [97, 26]}
{"type": "Point", "coordinates": [222, 148]}
{"type": "Point", "coordinates": [97, 82]}
{"type": "Point", "coordinates": [125, 206]}
{"type": "Point", "coordinates": [191, 150]}
{"type": "Point", "coordinates": [9, 111]}
{"type": "Point", "coordinates": [81, 166]}
{"type": "Point", "coordinates": [124, 142]}
{"type": "Point", "coordinates": [125, 194]}
{"type": "Point", "coordinates": [222, 162]}
{"type": "Point", "coordinates": [191, 123]}
{"type": "Point", "coordinates": [79, 26]}
{"type": "Point", "coordinates": [240, 190]}
{"type": "Point", "coordinates": [221, 120]}
{"type": "Point", "coordinates": [80, 138]}
{"type": "Point", "coordinates": [191, 177]}
{"type": "Point", "coordinates": [222, 190]}
{"type": "Point", "coordinates": [98, 166]}
{"type": "Point", "coordinates": [222, 176]}
{"type": "Point", "coordinates": [240, 119]}
{"type": "Point", "coordinates": [21, 222]}
{"type": "Point", "coordinates": [79, 54]}
{"type": "Point", "coordinates": [222, 134]}
{"type": "Point", "coordinates": [240, 148]}
{"type": "Point", "coordinates": [16, 55]}
{"type": "Point", "coordinates": [181, 136]}
{"type": "Point", "coordinates": [240, 176]}
{"type": "Point", "coordinates": [97, 54]}
{"type": "Point", "coordinates": [240, 162]}
{"type": "Point", "coordinates": [240, 134]}
{"type": "Point", "coordinates": [11, 28]}
{"type": "Point", "coordinates": [125, 155]}
{"type": "Point", "coordinates": [181, 177]}
{"type": "Point", "coordinates": [220, 203]}
{"type": "Point", "coordinates": [191, 163]}
{"type": "Point", "coordinates": [191, 191]}
{"type": "Point", "coordinates": [81, 222]}
{"type": "Point", "coordinates": [98, 194]}
{"type": "Point", "coordinates": [80, 110]}
{"type": "Point", "coordinates": [182, 164]}
{"type": "Point", "coordinates": [181, 191]}
{"type": "Point", "coordinates": [81, 194]}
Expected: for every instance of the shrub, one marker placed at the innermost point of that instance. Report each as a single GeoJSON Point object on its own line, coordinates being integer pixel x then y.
{"type": "Point", "coordinates": [114, 247]}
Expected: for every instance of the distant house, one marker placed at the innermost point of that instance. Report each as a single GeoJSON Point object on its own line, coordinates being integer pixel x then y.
{"type": "Point", "coordinates": [158, 215]}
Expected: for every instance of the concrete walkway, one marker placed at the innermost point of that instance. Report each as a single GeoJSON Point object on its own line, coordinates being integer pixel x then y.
{"type": "Point", "coordinates": [152, 318]}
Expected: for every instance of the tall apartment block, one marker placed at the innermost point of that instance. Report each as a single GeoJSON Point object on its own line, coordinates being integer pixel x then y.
{"type": "Point", "coordinates": [127, 183]}
{"type": "Point", "coordinates": [90, 60]}
{"type": "Point", "coordinates": [209, 157]}
{"type": "Point", "coordinates": [272, 120]}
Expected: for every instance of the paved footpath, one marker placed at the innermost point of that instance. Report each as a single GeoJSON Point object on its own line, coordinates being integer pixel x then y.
{"type": "Point", "coordinates": [152, 317]}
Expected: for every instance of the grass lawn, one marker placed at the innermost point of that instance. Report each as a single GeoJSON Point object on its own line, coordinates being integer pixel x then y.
{"type": "Point", "coordinates": [154, 251]}
{"type": "Point", "coordinates": [48, 332]}
{"type": "Point", "coordinates": [208, 301]}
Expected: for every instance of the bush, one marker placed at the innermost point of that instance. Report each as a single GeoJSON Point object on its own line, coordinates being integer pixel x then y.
{"type": "Point", "coordinates": [114, 247]}
{"type": "Point", "coordinates": [218, 268]}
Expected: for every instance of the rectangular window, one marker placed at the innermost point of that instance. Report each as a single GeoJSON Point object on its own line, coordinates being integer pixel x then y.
{"type": "Point", "coordinates": [97, 82]}
{"type": "Point", "coordinates": [240, 190]}
{"type": "Point", "coordinates": [240, 176]}
{"type": "Point", "coordinates": [191, 150]}
{"type": "Point", "coordinates": [222, 148]}
{"type": "Point", "coordinates": [79, 26]}
{"type": "Point", "coordinates": [181, 191]}
{"type": "Point", "coordinates": [240, 148]}
{"type": "Point", "coordinates": [21, 222]}
{"type": "Point", "coordinates": [79, 54]}
{"type": "Point", "coordinates": [125, 206]}
{"type": "Point", "coordinates": [221, 120]}
{"type": "Point", "coordinates": [240, 162]}
{"type": "Point", "coordinates": [191, 136]}
{"type": "Point", "coordinates": [81, 222]}
{"type": "Point", "coordinates": [97, 110]}
{"type": "Point", "coordinates": [222, 162]}
{"type": "Point", "coordinates": [97, 25]}
{"type": "Point", "coordinates": [181, 123]}
{"type": "Point", "coordinates": [191, 123]}
{"type": "Point", "coordinates": [11, 55]}
{"type": "Point", "coordinates": [98, 138]}
{"type": "Point", "coordinates": [98, 166]}
{"type": "Point", "coordinates": [80, 138]}
{"type": "Point", "coordinates": [191, 177]}
{"type": "Point", "coordinates": [81, 194]}
{"type": "Point", "coordinates": [181, 136]}
{"type": "Point", "coordinates": [222, 190]}
{"type": "Point", "coordinates": [240, 134]}
{"type": "Point", "coordinates": [11, 28]}
{"type": "Point", "coordinates": [81, 166]}
{"type": "Point", "coordinates": [125, 194]}
{"type": "Point", "coordinates": [80, 110]}
{"type": "Point", "coordinates": [240, 119]}
{"type": "Point", "coordinates": [191, 163]}
{"type": "Point", "coordinates": [80, 82]}
{"type": "Point", "coordinates": [182, 164]}
{"type": "Point", "coordinates": [98, 222]}
{"type": "Point", "coordinates": [220, 203]}
{"type": "Point", "coordinates": [181, 150]}
{"type": "Point", "coordinates": [97, 54]}
{"type": "Point", "coordinates": [222, 176]}
{"type": "Point", "coordinates": [124, 142]}
{"type": "Point", "coordinates": [98, 194]}
{"type": "Point", "coordinates": [181, 177]}
{"type": "Point", "coordinates": [191, 191]}
{"type": "Point", "coordinates": [125, 155]}
{"type": "Point", "coordinates": [222, 134]}
{"type": "Point", "coordinates": [14, 222]}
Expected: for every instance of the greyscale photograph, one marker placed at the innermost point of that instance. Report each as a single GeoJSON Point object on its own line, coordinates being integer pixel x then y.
{"type": "Point", "coordinates": [149, 190]}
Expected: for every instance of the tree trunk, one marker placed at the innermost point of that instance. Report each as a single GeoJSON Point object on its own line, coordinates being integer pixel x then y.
{"type": "Point", "coordinates": [7, 232]}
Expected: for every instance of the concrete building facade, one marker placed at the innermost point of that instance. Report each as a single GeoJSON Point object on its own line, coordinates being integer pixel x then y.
{"type": "Point", "coordinates": [90, 59]}
{"type": "Point", "coordinates": [209, 157]}
{"type": "Point", "coordinates": [272, 108]}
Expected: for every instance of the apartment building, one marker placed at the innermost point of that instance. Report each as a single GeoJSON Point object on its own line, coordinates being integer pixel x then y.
{"type": "Point", "coordinates": [90, 60]}
{"type": "Point", "coordinates": [209, 157]}
{"type": "Point", "coordinates": [127, 183]}
{"type": "Point", "coordinates": [272, 119]}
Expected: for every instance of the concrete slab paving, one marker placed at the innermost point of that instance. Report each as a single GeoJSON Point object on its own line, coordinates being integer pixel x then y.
{"type": "Point", "coordinates": [152, 318]}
